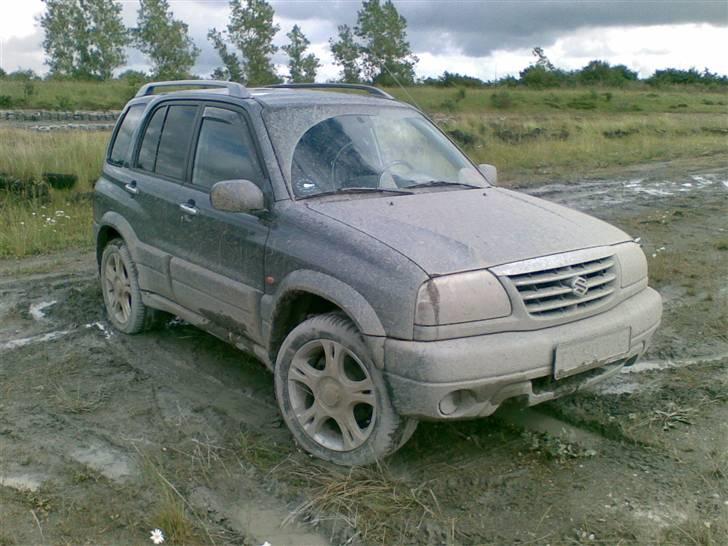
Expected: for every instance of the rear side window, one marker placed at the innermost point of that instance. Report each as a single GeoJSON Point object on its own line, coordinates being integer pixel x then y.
{"type": "Point", "coordinates": [120, 147]}
{"type": "Point", "coordinates": [225, 150]}
{"type": "Point", "coordinates": [150, 142]}
{"type": "Point", "coordinates": [175, 140]}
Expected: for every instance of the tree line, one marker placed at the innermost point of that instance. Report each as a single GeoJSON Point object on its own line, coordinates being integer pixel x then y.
{"type": "Point", "coordinates": [87, 40]}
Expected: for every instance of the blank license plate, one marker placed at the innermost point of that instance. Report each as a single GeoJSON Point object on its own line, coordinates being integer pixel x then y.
{"type": "Point", "coordinates": [579, 356]}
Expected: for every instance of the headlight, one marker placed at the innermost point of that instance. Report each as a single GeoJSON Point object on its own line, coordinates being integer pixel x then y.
{"type": "Point", "coordinates": [632, 263]}
{"type": "Point", "coordinates": [463, 297]}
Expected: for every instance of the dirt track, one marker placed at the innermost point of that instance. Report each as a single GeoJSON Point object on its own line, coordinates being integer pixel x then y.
{"type": "Point", "coordinates": [104, 437]}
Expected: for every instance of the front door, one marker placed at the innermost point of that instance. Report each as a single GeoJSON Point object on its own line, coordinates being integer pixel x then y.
{"type": "Point", "coordinates": [219, 272]}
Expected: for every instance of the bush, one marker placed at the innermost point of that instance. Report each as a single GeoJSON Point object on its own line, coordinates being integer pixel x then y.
{"type": "Point", "coordinates": [463, 137]}
{"type": "Point", "coordinates": [587, 101]}
{"type": "Point", "coordinates": [6, 101]}
{"type": "Point", "coordinates": [450, 79]}
{"type": "Point", "coordinates": [539, 77]}
{"type": "Point", "coordinates": [65, 103]}
{"type": "Point", "coordinates": [501, 100]}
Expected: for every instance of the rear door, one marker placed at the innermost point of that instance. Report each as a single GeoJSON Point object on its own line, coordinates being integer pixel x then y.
{"type": "Point", "coordinates": [160, 169]}
{"type": "Point", "coordinates": [219, 273]}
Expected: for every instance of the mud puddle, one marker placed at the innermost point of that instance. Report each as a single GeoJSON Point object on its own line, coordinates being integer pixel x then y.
{"type": "Point", "coordinates": [104, 437]}
{"type": "Point", "coordinates": [635, 193]}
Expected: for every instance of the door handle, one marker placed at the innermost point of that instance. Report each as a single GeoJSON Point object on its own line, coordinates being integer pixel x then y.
{"type": "Point", "coordinates": [188, 208]}
{"type": "Point", "coordinates": [131, 187]}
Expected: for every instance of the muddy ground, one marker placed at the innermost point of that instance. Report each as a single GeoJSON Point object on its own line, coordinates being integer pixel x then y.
{"type": "Point", "coordinates": [104, 437]}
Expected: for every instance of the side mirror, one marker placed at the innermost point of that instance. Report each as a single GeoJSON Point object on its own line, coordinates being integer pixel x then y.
{"type": "Point", "coordinates": [237, 196]}
{"type": "Point", "coordinates": [489, 172]}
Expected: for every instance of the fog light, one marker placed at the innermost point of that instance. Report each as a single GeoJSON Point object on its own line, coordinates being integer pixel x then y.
{"type": "Point", "coordinates": [450, 403]}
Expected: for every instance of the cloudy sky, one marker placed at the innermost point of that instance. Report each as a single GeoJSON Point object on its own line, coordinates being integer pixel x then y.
{"type": "Point", "coordinates": [483, 38]}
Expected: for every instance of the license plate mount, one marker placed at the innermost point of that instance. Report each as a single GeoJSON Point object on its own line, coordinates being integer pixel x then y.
{"type": "Point", "coordinates": [585, 354]}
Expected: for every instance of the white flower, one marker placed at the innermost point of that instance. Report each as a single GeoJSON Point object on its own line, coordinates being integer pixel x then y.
{"type": "Point", "coordinates": [266, 543]}
{"type": "Point", "coordinates": [157, 536]}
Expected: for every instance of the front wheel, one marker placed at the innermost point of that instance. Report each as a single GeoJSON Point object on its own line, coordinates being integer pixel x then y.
{"type": "Point", "coordinates": [333, 398]}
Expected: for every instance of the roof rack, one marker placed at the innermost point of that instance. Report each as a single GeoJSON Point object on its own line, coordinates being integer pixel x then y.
{"type": "Point", "coordinates": [355, 86]}
{"type": "Point", "coordinates": [234, 89]}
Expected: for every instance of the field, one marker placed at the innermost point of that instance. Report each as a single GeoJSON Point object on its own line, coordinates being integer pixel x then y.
{"type": "Point", "coordinates": [104, 437]}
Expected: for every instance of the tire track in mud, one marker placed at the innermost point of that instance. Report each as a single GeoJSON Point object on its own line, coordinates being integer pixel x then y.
{"type": "Point", "coordinates": [163, 390]}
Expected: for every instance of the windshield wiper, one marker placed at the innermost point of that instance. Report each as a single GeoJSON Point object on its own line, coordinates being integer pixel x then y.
{"type": "Point", "coordinates": [435, 183]}
{"type": "Point", "coordinates": [359, 189]}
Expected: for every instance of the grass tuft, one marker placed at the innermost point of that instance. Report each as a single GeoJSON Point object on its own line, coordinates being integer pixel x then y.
{"type": "Point", "coordinates": [366, 498]}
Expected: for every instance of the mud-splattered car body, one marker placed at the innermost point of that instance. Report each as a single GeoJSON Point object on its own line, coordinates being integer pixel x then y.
{"type": "Point", "coordinates": [465, 294]}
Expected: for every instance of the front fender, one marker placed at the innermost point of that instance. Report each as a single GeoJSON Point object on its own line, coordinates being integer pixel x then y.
{"type": "Point", "coordinates": [327, 287]}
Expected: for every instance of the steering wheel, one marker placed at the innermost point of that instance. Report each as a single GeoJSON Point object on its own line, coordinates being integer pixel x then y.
{"type": "Point", "coordinates": [386, 180]}
{"type": "Point", "coordinates": [336, 160]}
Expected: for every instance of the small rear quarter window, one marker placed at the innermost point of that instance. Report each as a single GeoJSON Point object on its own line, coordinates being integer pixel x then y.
{"type": "Point", "coordinates": [122, 139]}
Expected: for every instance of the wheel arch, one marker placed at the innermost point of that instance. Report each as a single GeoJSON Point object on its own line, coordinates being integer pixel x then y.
{"type": "Point", "coordinates": [305, 293]}
{"type": "Point", "coordinates": [111, 226]}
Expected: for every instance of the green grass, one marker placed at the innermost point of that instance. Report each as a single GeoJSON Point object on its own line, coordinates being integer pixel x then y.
{"type": "Point", "coordinates": [70, 95]}
{"type": "Point", "coordinates": [533, 101]}
{"type": "Point", "coordinates": [32, 227]}
{"type": "Point", "coordinates": [35, 226]}
{"type": "Point", "coordinates": [565, 145]}
{"type": "Point", "coordinates": [28, 154]}
{"type": "Point", "coordinates": [67, 95]}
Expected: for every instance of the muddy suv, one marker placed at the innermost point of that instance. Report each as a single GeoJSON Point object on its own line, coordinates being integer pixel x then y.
{"type": "Point", "coordinates": [349, 245]}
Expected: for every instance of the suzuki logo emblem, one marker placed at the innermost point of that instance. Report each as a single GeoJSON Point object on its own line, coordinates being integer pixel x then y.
{"type": "Point", "coordinates": [579, 286]}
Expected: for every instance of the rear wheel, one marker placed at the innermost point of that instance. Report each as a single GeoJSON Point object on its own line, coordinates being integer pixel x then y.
{"type": "Point", "coordinates": [120, 287]}
{"type": "Point", "coordinates": [333, 398]}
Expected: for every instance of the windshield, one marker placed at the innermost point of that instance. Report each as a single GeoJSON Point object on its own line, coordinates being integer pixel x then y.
{"type": "Point", "coordinates": [383, 150]}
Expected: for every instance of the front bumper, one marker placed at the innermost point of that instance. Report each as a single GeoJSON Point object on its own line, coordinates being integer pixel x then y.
{"type": "Point", "coordinates": [470, 377]}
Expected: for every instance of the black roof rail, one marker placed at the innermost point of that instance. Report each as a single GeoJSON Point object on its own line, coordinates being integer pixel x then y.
{"type": "Point", "coordinates": [354, 86]}
{"type": "Point", "coordinates": [234, 89]}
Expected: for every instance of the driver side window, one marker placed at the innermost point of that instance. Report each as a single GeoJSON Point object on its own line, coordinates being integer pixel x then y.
{"type": "Point", "coordinates": [225, 150]}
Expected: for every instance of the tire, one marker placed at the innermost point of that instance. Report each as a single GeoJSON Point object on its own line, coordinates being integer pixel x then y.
{"type": "Point", "coordinates": [333, 398]}
{"type": "Point", "coordinates": [120, 287]}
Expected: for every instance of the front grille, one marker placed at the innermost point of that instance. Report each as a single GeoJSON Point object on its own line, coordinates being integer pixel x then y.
{"type": "Point", "coordinates": [549, 293]}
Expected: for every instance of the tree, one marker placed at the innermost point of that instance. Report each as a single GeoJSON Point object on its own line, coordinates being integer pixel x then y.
{"type": "Point", "coordinates": [453, 79]}
{"type": "Point", "coordinates": [232, 68]}
{"type": "Point", "coordinates": [84, 38]}
{"type": "Point", "coordinates": [251, 31]}
{"type": "Point", "coordinates": [302, 66]}
{"type": "Point", "coordinates": [543, 60]}
{"type": "Point", "coordinates": [601, 73]}
{"type": "Point", "coordinates": [542, 73]}
{"type": "Point", "coordinates": [386, 54]}
{"type": "Point", "coordinates": [164, 40]}
{"type": "Point", "coordinates": [539, 77]}
{"type": "Point", "coordinates": [347, 54]}
{"type": "Point", "coordinates": [21, 75]}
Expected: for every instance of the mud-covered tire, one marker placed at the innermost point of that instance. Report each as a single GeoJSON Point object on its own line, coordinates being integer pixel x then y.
{"type": "Point", "coordinates": [120, 288]}
{"type": "Point", "coordinates": [333, 398]}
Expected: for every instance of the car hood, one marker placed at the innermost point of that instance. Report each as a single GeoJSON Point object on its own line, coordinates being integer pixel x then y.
{"type": "Point", "coordinates": [460, 230]}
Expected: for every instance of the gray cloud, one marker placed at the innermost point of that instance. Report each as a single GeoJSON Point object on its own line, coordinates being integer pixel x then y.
{"type": "Point", "coordinates": [477, 28]}
{"type": "Point", "coordinates": [24, 52]}
{"type": "Point", "coordinates": [470, 28]}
